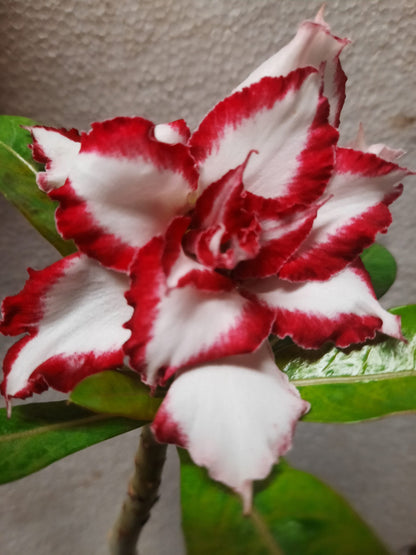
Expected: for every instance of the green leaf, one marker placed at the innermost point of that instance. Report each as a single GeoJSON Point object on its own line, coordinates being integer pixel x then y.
{"type": "Point", "coordinates": [18, 181]}
{"type": "Point", "coordinates": [359, 383]}
{"type": "Point", "coordinates": [39, 434]}
{"type": "Point", "coordinates": [116, 393]}
{"type": "Point", "coordinates": [381, 266]}
{"type": "Point", "coordinates": [293, 513]}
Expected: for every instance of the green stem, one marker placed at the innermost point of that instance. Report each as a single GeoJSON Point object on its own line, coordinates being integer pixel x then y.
{"type": "Point", "coordinates": [142, 494]}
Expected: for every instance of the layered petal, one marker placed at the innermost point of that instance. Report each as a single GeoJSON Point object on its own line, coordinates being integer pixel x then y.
{"type": "Point", "coordinates": [235, 416]}
{"type": "Point", "coordinates": [281, 233]}
{"type": "Point", "coordinates": [224, 231]}
{"type": "Point", "coordinates": [314, 45]}
{"type": "Point", "coordinates": [124, 188]}
{"type": "Point", "coordinates": [343, 309]}
{"type": "Point", "coordinates": [72, 314]}
{"type": "Point", "coordinates": [356, 210]}
{"type": "Point", "coordinates": [57, 149]}
{"type": "Point", "coordinates": [186, 314]}
{"type": "Point", "coordinates": [235, 231]}
{"type": "Point", "coordinates": [284, 121]}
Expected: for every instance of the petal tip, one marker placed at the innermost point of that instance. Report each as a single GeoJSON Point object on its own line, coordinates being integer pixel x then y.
{"type": "Point", "coordinates": [392, 326]}
{"type": "Point", "coordinates": [319, 18]}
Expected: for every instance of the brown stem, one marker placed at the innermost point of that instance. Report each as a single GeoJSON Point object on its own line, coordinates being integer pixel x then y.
{"type": "Point", "coordinates": [142, 494]}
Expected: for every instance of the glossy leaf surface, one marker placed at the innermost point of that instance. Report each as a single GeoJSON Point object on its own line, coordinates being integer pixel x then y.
{"type": "Point", "coordinates": [293, 513]}
{"type": "Point", "coordinates": [39, 434]}
{"type": "Point", "coordinates": [18, 181]}
{"type": "Point", "coordinates": [381, 266]}
{"type": "Point", "coordinates": [359, 383]}
{"type": "Point", "coordinates": [118, 394]}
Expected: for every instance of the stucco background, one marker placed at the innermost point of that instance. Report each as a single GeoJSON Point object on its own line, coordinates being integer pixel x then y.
{"type": "Point", "coordinates": [71, 62]}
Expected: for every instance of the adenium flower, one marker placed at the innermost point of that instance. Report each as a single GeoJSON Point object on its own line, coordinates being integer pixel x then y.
{"type": "Point", "coordinates": [194, 247]}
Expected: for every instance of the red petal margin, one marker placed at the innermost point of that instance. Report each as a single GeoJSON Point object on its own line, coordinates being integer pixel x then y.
{"type": "Point", "coordinates": [334, 76]}
{"type": "Point", "coordinates": [314, 45]}
{"type": "Point", "coordinates": [342, 310]}
{"type": "Point", "coordinates": [177, 337]}
{"type": "Point", "coordinates": [167, 430]}
{"type": "Point", "coordinates": [339, 82]}
{"type": "Point", "coordinates": [38, 152]}
{"type": "Point", "coordinates": [311, 331]}
{"type": "Point", "coordinates": [147, 287]}
{"type": "Point", "coordinates": [59, 372]}
{"type": "Point", "coordinates": [324, 254]}
{"type": "Point", "coordinates": [314, 163]}
{"type": "Point", "coordinates": [280, 236]}
{"type": "Point", "coordinates": [57, 155]}
{"type": "Point", "coordinates": [23, 313]}
{"type": "Point", "coordinates": [120, 138]}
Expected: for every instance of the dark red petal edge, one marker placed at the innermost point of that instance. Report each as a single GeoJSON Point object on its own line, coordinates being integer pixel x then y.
{"type": "Point", "coordinates": [312, 331]}
{"type": "Point", "coordinates": [326, 259]}
{"type": "Point", "coordinates": [181, 127]}
{"type": "Point", "coordinates": [340, 82]}
{"type": "Point", "coordinates": [134, 137]}
{"type": "Point", "coordinates": [126, 138]}
{"type": "Point", "coordinates": [167, 430]}
{"type": "Point", "coordinates": [59, 372]}
{"type": "Point", "coordinates": [22, 313]}
{"type": "Point", "coordinates": [273, 255]}
{"type": "Point", "coordinates": [74, 221]}
{"type": "Point", "coordinates": [316, 160]}
{"type": "Point", "coordinates": [147, 287]}
{"type": "Point", "coordinates": [36, 148]}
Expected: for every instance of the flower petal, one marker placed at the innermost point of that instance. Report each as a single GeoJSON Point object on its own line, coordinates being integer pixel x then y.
{"type": "Point", "coordinates": [281, 234]}
{"type": "Point", "coordinates": [285, 120]}
{"type": "Point", "coordinates": [124, 188]}
{"type": "Point", "coordinates": [314, 45]}
{"type": "Point", "coordinates": [186, 314]}
{"type": "Point", "coordinates": [223, 232]}
{"type": "Point", "coordinates": [173, 132]}
{"type": "Point", "coordinates": [356, 210]}
{"type": "Point", "coordinates": [343, 309]}
{"type": "Point", "coordinates": [236, 417]}
{"type": "Point", "coordinates": [57, 149]}
{"type": "Point", "coordinates": [73, 314]}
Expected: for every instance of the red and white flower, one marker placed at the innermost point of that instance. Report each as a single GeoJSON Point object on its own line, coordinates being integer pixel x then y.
{"type": "Point", "coordinates": [193, 248]}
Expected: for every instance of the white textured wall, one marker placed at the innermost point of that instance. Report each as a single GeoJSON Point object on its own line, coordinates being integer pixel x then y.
{"type": "Point", "coordinates": [70, 62]}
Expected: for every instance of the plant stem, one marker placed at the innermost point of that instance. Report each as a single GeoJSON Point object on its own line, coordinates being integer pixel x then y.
{"type": "Point", "coordinates": [142, 494]}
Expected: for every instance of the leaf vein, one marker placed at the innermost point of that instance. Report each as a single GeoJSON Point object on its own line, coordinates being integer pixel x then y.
{"type": "Point", "coordinates": [361, 378]}
{"type": "Point", "coordinates": [54, 427]}
{"type": "Point", "coordinates": [19, 157]}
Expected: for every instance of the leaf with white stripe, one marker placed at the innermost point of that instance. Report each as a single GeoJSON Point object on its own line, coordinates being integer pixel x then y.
{"type": "Point", "coordinates": [358, 383]}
